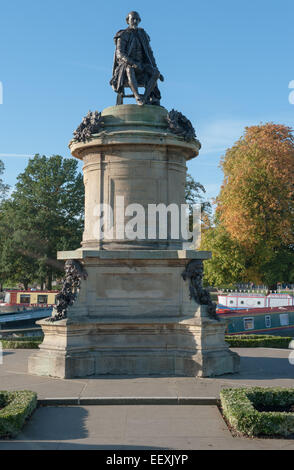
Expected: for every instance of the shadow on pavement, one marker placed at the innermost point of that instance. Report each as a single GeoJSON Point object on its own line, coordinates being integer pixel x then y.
{"type": "Point", "coordinates": [7, 353]}
{"type": "Point", "coordinates": [262, 368]}
{"type": "Point", "coordinates": [45, 445]}
{"type": "Point", "coordinates": [55, 424]}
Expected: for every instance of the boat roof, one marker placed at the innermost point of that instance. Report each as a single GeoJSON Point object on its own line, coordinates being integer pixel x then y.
{"type": "Point", "coordinates": [246, 294]}
{"type": "Point", "coordinates": [31, 291]}
{"type": "Point", "coordinates": [256, 311]}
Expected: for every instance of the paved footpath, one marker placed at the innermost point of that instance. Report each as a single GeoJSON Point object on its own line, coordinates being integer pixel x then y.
{"type": "Point", "coordinates": [141, 426]}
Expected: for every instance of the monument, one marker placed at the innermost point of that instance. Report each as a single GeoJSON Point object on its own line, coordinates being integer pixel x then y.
{"type": "Point", "coordinates": [132, 301]}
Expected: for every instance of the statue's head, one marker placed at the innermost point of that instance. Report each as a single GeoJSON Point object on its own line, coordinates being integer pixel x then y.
{"type": "Point", "coordinates": [133, 19]}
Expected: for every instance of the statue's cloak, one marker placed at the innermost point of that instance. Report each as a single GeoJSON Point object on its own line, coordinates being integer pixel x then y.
{"type": "Point", "coordinates": [122, 54]}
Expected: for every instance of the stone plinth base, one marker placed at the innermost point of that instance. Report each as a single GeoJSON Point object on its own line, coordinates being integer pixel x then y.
{"type": "Point", "coordinates": [190, 348]}
{"type": "Point", "coordinates": [134, 317]}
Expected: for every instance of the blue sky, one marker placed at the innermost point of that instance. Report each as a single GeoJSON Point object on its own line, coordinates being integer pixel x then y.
{"type": "Point", "coordinates": [227, 64]}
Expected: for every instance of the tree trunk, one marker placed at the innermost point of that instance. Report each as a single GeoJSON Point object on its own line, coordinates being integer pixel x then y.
{"type": "Point", "coordinates": [273, 286]}
{"type": "Point", "coordinates": [49, 281]}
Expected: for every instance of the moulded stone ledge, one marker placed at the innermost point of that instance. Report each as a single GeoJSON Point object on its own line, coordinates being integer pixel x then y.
{"type": "Point", "coordinates": [81, 253]}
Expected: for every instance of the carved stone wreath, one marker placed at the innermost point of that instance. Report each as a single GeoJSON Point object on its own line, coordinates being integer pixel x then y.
{"type": "Point", "coordinates": [91, 124]}
{"type": "Point", "coordinates": [180, 125]}
{"type": "Point", "coordinates": [194, 272]}
{"type": "Point", "coordinates": [74, 274]}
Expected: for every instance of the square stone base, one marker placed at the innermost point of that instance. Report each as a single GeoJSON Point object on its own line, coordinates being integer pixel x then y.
{"type": "Point", "coordinates": [134, 316]}
{"type": "Point", "coordinates": [190, 348]}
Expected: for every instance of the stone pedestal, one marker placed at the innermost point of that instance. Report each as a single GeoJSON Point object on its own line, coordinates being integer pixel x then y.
{"type": "Point", "coordinates": [133, 314]}
{"type": "Point", "coordinates": [135, 157]}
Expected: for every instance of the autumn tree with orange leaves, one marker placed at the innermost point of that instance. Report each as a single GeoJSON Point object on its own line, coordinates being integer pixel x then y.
{"type": "Point", "coordinates": [255, 207]}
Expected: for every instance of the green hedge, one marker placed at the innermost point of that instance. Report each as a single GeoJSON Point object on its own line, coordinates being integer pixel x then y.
{"type": "Point", "coordinates": [236, 341]}
{"type": "Point", "coordinates": [31, 342]}
{"type": "Point", "coordinates": [15, 408]}
{"type": "Point", "coordinates": [258, 341]}
{"type": "Point", "coordinates": [238, 407]}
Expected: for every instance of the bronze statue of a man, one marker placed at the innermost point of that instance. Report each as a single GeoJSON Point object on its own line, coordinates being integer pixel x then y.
{"type": "Point", "coordinates": [134, 64]}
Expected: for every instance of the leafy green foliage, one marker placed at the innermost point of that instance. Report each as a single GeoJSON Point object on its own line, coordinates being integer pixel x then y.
{"type": "Point", "coordinates": [4, 188]}
{"type": "Point", "coordinates": [258, 341]}
{"type": "Point", "coordinates": [194, 195]}
{"type": "Point", "coordinates": [43, 215]}
{"type": "Point", "coordinates": [239, 408]}
{"type": "Point", "coordinates": [16, 408]}
{"type": "Point", "coordinates": [227, 265]}
{"type": "Point", "coordinates": [26, 342]}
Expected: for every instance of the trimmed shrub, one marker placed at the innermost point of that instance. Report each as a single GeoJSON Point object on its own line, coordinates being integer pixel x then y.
{"type": "Point", "coordinates": [15, 408]}
{"type": "Point", "coordinates": [240, 408]}
{"type": "Point", "coordinates": [258, 341]}
{"type": "Point", "coordinates": [22, 342]}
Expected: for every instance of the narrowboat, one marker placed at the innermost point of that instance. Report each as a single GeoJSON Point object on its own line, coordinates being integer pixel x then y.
{"type": "Point", "coordinates": [264, 320]}
{"type": "Point", "coordinates": [20, 309]}
{"type": "Point", "coordinates": [241, 300]}
{"type": "Point", "coordinates": [20, 300]}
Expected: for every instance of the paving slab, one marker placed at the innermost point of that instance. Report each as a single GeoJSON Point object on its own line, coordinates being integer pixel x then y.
{"type": "Point", "coordinates": [119, 427]}
{"type": "Point", "coordinates": [133, 427]}
{"type": "Point", "coordinates": [173, 422]}
{"type": "Point", "coordinates": [259, 366]}
{"type": "Point", "coordinates": [60, 388]}
{"type": "Point", "coordinates": [130, 387]}
{"type": "Point", "coordinates": [28, 445]}
{"type": "Point", "coordinates": [16, 360]}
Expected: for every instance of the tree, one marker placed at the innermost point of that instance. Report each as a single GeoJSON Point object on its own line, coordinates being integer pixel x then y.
{"type": "Point", "coordinates": [255, 213]}
{"type": "Point", "coordinates": [194, 195]}
{"type": "Point", "coordinates": [278, 267]}
{"type": "Point", "coordinates": [16, 266]}
{"type": "Point", "coordinates": [227, 265]}
{"type": "Point", "coordinates": [232, 263]}
{"type": "Point", "coordinates": [255, 204]}
{"type": "Point", "coordinates": [4, 188]}
{"type": "Point", "coordinates": [43, 215]}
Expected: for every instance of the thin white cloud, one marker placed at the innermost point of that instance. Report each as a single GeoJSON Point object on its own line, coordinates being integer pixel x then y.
{"type": "Point", "coordinates": [219, 135]}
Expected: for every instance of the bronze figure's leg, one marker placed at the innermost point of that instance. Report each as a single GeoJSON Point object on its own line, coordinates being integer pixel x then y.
{"type": "Point", "coordinates": [132, 81]}
{"type": "Point", "coordinates": [151, 84]}
{"type": "Point", "coordinates": [119, 98]}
